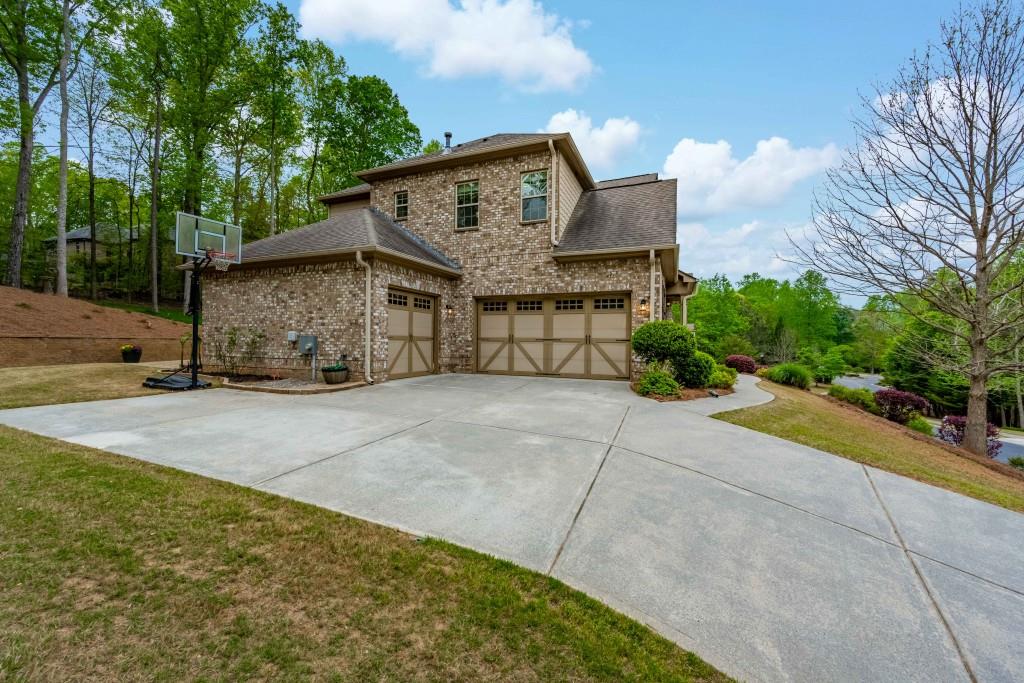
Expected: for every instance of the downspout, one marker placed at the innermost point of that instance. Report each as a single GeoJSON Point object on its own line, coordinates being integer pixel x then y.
{"type": "Point", "coordinates": [554, 183]}
{"type": "Point", "coordinates": [367, 313]}
{"type": "Point", "coordinates": [654, 265]}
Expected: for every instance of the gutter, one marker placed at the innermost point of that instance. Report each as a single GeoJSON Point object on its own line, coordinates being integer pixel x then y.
{"type": "Point", "coordinates": [367, 312]}
{"type": "Point", "coordinates": [554, 205]}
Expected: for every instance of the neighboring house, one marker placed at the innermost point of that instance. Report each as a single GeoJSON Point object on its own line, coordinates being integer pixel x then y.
{"type": "Point", "coordinates": [501, 255]}
{"type": "Point", "coordinates": [79, 241]}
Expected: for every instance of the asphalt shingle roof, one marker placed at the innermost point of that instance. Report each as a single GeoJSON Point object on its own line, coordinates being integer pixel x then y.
{"type": "Point", "coordinates": [467, 148]}
{"type": "Point", "coordinates": [363, 228]}
{"type": "Point", "coordinates": [362, 188]}
{"type": "Point", "coordinates": [618, 215]}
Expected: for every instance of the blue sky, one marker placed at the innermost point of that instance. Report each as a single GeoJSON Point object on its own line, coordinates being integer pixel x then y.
{"type": "Point", "coordinates": [745, 102]}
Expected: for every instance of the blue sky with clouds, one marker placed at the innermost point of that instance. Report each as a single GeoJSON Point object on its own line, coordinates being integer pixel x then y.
{"type": "Point", "coordinates": [745, 102]}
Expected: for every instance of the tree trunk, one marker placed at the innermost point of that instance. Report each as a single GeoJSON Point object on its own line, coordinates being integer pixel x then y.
{"type": "Point", "coordinates": [975, 433]}
{"type": "Point", "coordinates": [1020, 398]}
{"type": "Point", "coordinates": [62, 175]}
{"type": "Point", "coordinates": [22, 186]}
{"type": "Point", "coordinates": [93, 285]}
{"type": "Point", "coordinates": [236, 188]}
{"type": "Point", "coordinates": [154, 208]}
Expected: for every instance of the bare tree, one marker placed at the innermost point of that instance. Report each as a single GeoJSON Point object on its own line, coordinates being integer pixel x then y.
{"type": "Point", "coordinates": [926, 203]}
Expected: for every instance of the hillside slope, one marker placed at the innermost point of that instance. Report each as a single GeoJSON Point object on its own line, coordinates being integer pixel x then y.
{"type": "Point", "coordinates": [28, 314]}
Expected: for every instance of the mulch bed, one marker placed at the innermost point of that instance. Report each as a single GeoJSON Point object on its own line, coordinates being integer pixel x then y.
{"type": "Point", "coordinates": [687, 394]}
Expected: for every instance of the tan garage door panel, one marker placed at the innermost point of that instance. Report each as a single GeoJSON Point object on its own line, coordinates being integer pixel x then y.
{"type": "Point", "coordinates": [411, 324]}
{"type": "Point", "coordinates": [570, 335]}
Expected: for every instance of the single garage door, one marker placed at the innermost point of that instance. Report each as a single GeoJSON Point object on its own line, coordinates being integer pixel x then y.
{"type": "Point", "coordinates": [564, 335]}
{"type": "Point", "coordinates": [411, 327]}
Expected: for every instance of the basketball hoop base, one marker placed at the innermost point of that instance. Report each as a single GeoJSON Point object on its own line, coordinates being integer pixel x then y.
{"type": "Point", "coordinates": [174, 383]}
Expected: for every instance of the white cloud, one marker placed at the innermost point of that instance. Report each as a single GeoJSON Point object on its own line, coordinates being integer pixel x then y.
{"type": "Point", "coordinates": [601, 146]}
{"type": "Point", "coordinates": [712, 181]}
{"type": "Point", "coordinates": [514, 39]}
{"type": "Point", "coordinates": [755, 246]}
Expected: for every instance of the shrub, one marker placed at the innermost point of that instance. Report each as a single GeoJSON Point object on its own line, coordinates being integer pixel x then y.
{"type": "Point", "coordinates": [952, 431]}
{"type": "Point", "coordinates": [662, 340]}
{"type": "Point", "coordinates": [899, 406]}
{"type": "Point", "coordinates": [740, 363]}
{"type": "Point", "coordinates": [722, 377]}
{"type": "Point", "coordinates": [694, 371]}
{"type": "Point", "coordinates": [793, 374]}
{"type": "Point", "coordinates": [829, 366]}
{"type": "Point", "coordinates": [919, 424]}
{"type": "Point", "coordinates": [862, 398]}
{"type": "Point", "coordinates": [658, 381]}
{"type": "Point", "coordinates": [762, 372]}
{"type": "Point", "coordinates": [1017, 462]}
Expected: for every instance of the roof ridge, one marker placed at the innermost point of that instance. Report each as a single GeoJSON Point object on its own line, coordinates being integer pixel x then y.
{"type": "Point", "coordinates": [418, 239]}
{"type": "Point", "coordinates": [598, 188]}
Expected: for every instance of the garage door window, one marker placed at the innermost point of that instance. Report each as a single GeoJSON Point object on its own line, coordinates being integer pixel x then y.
{"type": "Point", "coordinates": [569, 305]}
{"type": "Point", "coordinates": [529, 306]}
{"type": "Point", "coordinates": [609, 304]}
{"type": "Point", "coordinates": [421, 302]}
{"type": "Point", "coordinates": [495, 306]}
{"type": "Point", "coordinates": [396, 299]}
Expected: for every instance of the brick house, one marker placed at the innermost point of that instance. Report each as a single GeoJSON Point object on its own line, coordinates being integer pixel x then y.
{"type": "Point", "coordinates": [499, 255]}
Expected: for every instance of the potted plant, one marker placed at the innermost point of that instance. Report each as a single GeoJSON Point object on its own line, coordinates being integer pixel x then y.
{"type": "Point", "coordinates": [131, 353]}
{"type": "Point", "coordinates": [335, 374]}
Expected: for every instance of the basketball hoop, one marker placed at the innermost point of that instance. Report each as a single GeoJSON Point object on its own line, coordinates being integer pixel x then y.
{"type": "Point", "coordinates": [220, 259]}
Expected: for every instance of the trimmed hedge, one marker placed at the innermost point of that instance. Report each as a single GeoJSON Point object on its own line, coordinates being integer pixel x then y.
{"type": "Point", "coordinates": [694, 372]}
{"type": "Point", "coordinates": [661, 340]}
{"type": "Point", "coordinates": [741, 363]}
{"type": "Point", "coordinates": [722, 377]}
{"type": "Point", "coordinates": [658, 381]}
{"type": "Point", "coordinates": [793, 374]}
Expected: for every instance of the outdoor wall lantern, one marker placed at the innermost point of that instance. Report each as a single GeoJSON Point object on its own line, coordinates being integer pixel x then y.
{"type": "Point", "coordinates": [449, 309]}
{"type": "Point", "coordinates": [644, 307]}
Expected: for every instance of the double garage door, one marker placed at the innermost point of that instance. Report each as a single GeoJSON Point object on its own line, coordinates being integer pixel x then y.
{"type": "Point", "coordinates": [566, 335]}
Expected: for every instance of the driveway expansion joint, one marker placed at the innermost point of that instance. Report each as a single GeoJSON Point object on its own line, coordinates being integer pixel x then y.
{"type": "Point", "coordinates": [586, 496]}
{"type": "Point", "coordinates": [921, 580]}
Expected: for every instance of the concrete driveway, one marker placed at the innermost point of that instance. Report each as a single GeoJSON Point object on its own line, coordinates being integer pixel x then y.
{"type": "Point", "coordinates": [771, 560]}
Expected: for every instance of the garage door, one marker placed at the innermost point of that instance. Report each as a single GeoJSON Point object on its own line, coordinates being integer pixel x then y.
{"type": "Point", "coordinates": [570, 335]}
{"type": "Point", "coordinates": [410, 334]}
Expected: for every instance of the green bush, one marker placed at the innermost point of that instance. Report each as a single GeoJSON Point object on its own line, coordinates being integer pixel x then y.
{"type": "Point", "coordinates": [793, 374]}
{"type": "Point", "coordinates": [1016, 461]}
{"type": "Point", "coordinates": [919, 424]}
{"type": "Point", "coordinates": [829, 366]}
{"type": "Point", "coordinates": [722, 377]}
{"type": "Point", "coordinates": [658, 381]}
{"type": "Point", "coordinates": [694, 371]}
{"type": "Point", "coordinates": [662, 340]}
{"type": "Point", "coordinates": [862, 398]}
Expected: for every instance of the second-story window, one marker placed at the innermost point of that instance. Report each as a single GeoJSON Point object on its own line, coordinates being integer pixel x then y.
{"type": "Point", "coordinates": [402, 204]}
{"type": "Point", "coordinates": [533, 194]}
{"type": "Point", "coordinates": [467, 205]}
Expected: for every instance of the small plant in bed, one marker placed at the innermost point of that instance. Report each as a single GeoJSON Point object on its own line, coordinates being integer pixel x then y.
{"type": "Point", "coordinates": [657, 381]}
{"type": "Point", "coordinates": [1016, 462]}
{"type": "Point", "coordinates": [919, 424]}
{"type": "Point", "coordinates": [722, 377]}
{"type": "Point", "coordinates": [741, 363]}
{"type": "Point", "coordinates": [952, 431]}
{"type": "Point", "coordinates": [899, 406]}
{"type": "Point", "coordinates": [793, 374]}
{"type": "Point", "coordinates": [131, 353]}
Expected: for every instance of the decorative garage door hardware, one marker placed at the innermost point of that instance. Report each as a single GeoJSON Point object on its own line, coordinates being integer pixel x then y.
{"type": "Point", "coordinates": [566, 336]}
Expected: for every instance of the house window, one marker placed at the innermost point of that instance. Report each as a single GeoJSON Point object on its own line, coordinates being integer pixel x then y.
{"type": "Point", "coordinates": [401, 205]}
{"type": "Point", "coordinates": [609, 304]}
{"type": "Point", "coordinates": [533, 191]}
{"type": "Point", "coordinates": [569, 305]}
{"type": "Point", "coordinates": [467, 205]}
{"type": "Point", "coordinates": [529, 305]}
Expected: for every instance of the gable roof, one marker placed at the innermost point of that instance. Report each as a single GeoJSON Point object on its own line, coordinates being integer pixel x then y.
{"type": "Point", "coordinates": [362, 229]}
{"type": "Point", "coordinates": [499, 144]}
{"type": "Point", "coordinates": [348, 193]}
{"type": "Point", "coordinates": [622, 216]}
{"type": "Point", "coordinates": [628, 180]}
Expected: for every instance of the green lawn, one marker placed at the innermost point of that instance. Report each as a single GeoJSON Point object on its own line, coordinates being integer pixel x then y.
{"type": "Point", "coordinates": [112, 568]}
{"type": "Point", "coordinates": [816, 421]}
{"type": "Point", "coordinates": [170, 312]}
{"type": "Point", "coordinates": [48, 384]}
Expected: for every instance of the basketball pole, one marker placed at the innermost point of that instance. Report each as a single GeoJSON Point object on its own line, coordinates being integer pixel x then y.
{"type": "Point", "coordinates": [196, 308]}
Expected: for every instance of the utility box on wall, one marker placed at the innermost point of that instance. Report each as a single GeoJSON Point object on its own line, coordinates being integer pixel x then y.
{"type": "Point", "coordinates": [307, 345]}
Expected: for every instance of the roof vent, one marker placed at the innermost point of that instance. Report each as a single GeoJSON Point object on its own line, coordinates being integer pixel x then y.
{"type": "Point", "coordinates": [447, 142]}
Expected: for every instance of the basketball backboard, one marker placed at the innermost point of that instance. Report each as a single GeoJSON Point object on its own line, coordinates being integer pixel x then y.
{"type": "Point", "coordinates": [195, 236]}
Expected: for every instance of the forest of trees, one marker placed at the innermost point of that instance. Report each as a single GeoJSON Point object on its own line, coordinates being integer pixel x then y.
{"type": "Point", "coordinates": [212, 107]}
{"type": "Point", "coordinates": [776, 321]}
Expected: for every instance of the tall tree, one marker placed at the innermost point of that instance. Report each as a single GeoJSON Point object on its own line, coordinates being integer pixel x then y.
{"type": "Point", "coordinates": [321, 77]}
{"type": "Point", "coordinates": [928, 201]}
{"type": "Point", "coordinates": [31, 44]}
{"type": "Point", "coordinates": [277, 102]}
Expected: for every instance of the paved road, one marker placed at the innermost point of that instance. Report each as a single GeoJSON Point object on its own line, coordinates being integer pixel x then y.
{"type": "Point", "coordinates": [872, 382]}
{"type": "Point", "coordinates": [773, 561]}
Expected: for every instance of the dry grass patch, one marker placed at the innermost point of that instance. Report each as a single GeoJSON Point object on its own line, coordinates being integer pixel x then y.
{"type": "Point", "coordinates": [828, 425]}
{"type": "Point", "coordinates": [112, 568]}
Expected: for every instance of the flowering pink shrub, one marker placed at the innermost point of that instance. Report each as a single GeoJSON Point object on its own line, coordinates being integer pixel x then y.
{"type": "Point", "coordinates": [899, 406]}
{"type": "Point", "coordinates": [740, 363]}
{"type": "Point", "coordinates": [953, 428]}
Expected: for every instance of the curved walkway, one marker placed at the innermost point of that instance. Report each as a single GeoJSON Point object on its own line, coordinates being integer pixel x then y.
{"type": "Point", "coordinates": [771, 560]}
